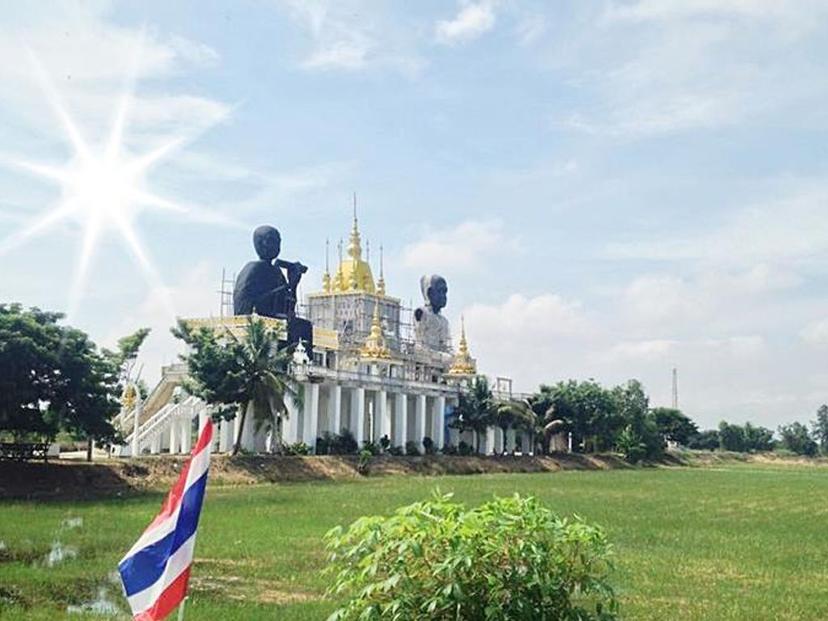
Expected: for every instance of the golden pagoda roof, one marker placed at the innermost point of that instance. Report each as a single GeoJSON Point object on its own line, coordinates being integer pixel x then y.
{"type": "Point", "coordinates": [353, 273]}
{"type": "Point", "coordinates": [374, 347]}
{"type": "Point", "coordinates": [463, 363]}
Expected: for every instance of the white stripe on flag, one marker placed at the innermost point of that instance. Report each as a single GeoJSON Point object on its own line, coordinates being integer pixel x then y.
{"type": "Point", "coordinates": [179, 561]}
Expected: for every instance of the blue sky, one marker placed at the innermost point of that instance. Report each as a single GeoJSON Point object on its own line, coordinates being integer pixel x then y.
{"type": "Point", "coordinates": [611, 188]}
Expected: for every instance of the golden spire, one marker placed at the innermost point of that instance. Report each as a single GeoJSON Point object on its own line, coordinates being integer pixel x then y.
{"type": "Point", "coordinates": [463, 363]}
{"type": "Point", "coordinates": [374, 347]}
{"type": "Point", "coordinates": [381, 281]}
{"type": "Point", "coordinates": [339, 279]}
{"type": "Point", "coordinates": [326, 277]}
{"type": "Point", "coordinates": [354, 247]}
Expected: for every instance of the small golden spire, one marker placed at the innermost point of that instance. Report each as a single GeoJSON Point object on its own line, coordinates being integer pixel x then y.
{"type": "Point", "coordinates": [374, 347]}
{"type": "Point", "coordinates": [381, 281]}
{"type": "Point", "coordinates": [463, 363]}
{"type": "Point", "coordinates": [354, 247]}
{"type": "Point", "coordinates": [339, 279]}
{"type": "Point", "coordinates": [326, 277]}
{"type": "Point", "coordinates": [128, 398]}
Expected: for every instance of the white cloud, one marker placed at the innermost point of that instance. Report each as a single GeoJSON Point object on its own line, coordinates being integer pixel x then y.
{"type": "Point", "coordinates": [653, 67]}
{"type": "Point", "coordinates": [472, 21]}
{"type": "Point", "coordinates": [463, 248]}
{"type": "Point", "coordinates": [352, 36]}
{"type": "Point", "coordinates": [816, 333]}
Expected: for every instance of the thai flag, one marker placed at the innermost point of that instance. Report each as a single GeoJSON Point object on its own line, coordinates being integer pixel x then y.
{"type": "Point", "coordinates": [155, 572]}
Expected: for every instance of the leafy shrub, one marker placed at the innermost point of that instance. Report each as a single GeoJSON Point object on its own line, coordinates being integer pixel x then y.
{"type": "Point", "coordinates": [428, 445]}
{"type": "Point", "coordinates": [464, 448]}
{"type": "Point", "coordinates": [412, 448]}
{"type": "Point", "coordinates": [396, 451]}
{"type": "Point", "coordinates": [631, 446]}
{"type": "Point", "coordinates": [385, 443]}
{"type": "Point", "coordinates": [371, 447]}
{"type": "Point", "coordinates": [337, 443]}
{"type": "Point", "coordinates": [449, 449]}
{"type": "Point", "coordinates": [300, 448]}
{"type": "Point", "coordinates": [510, 558]}
{"type": "Point", "coordinates": [364, 461]}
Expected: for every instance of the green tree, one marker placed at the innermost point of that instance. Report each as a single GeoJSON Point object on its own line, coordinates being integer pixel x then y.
{"type": "Point", "coordinates": [674, 425]}
{"type": "Point", "coordinates": [251, 375]}
{"type": "Point", "coordinates": [633, 407]}
{"type": "Point", "coordinates": [589, 411]}
{"type": "Point", "coordinates": [53, 378]}
{"type": "Point", "coordinates": [731, 437]}
{"type": "Point", "coordinates": [820, 428]}
{"type": "Point", "coordinates": [475, 410]}
{"type": "Point", "coordinates": [757, 439]}
{"type": "Point", "coordinates": [795, 438]}
{"type": "Point", "coordinates": [707, 440]}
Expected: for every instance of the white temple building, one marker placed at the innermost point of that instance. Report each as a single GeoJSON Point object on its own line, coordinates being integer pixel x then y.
{"type": "Point", "coordinates": [367, 373]}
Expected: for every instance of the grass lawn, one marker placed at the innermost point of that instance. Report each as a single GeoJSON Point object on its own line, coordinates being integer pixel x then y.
{"type": "Point", "coordinates": [737, 542]}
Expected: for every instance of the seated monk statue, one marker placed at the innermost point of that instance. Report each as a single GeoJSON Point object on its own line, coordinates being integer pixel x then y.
{"type": "Point", "coordinates": [431, 329]}
{"type": "Point", "coordinates": [261, 287]}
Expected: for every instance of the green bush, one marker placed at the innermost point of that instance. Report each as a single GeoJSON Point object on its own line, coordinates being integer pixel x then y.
{"type": "Point", "coordinates": [412, 448]}
{"type": "Point", "coordinates": [300, 448]}
{"type": "Point", "coordinates": [428, 445]}
{"type": "Point", "coordinates": [510, 558]}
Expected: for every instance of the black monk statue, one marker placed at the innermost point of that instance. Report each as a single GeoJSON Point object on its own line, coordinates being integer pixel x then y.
{"type": "Point", "coordinates": [262, 287]}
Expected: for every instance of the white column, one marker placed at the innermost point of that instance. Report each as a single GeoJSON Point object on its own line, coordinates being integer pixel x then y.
{"type": "Point", "coordinates": [186, 435]}
{"type": "Point", "coordinates": [202, 420]}
{"type": "Point", "coordinates": [440, 423]}
{"type": "Point", "coordinates": [223, 427]}
{"type": "Point", "coordinates": [247, 435]}
{"type": "Point", "coordinates": [400, 419]}
{"type": "Point", "coordinates": [525, 443]}
{"type": "Point", "coordinates": [173, 437]}
{"type": "Point", "coordinates": [510, 440]}
{"type": "Point", "coordinates": [311, 415]}
{"type": "Point", "coordinates": [490, 440]}
{"type": "Point", "coordinates": [383, 414]}
{"type": "Point", "coordinates": [420, 422]}
{"type": "Point", "coordinates": [335, 408]}
{"type": "Point", "coordinates": [155, 444]}
{"type": "Point", "coordinates": [290, 427]}
{"type": "Point", "coordinates": [358, 413]}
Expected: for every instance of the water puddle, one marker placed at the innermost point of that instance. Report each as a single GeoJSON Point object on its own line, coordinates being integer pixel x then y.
{"type": "Point", "coordinates": [101, 605]}
{"type": "Point", "coordinates": [60, 553]}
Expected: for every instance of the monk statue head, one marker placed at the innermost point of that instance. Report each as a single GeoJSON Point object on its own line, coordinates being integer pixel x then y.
{"type": "Point", "coordinates": [267, 242]}
{"type": "Point", "coordinates": [435, 291]}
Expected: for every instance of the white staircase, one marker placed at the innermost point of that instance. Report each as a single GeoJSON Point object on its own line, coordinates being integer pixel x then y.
{"type": "Point", "coordinates": [171, 429]}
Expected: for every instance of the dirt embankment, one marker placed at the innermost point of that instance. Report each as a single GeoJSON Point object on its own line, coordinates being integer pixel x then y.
{"type": "Point", "coordinates": [118, 477]}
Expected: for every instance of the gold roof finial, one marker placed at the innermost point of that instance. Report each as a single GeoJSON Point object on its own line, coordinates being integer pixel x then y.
{"type": "Point", "coordinates": [326, 277]}
{"type": "Point", "coordinates": [339, 279]}
{"type": "Point", "coordinates": [381, 281]}
{"type": "Point", "coordinates": [374, 347]}
{"type": "Point", "coordinates": [354, 247]}
{"type": "Point", "coordinates": [463, 363]}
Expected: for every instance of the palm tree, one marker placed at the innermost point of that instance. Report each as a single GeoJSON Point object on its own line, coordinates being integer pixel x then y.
{"type": "Point", "coordinates": [515, 414]}
{"type": "Point", "coordinates": [252, 373]}
{"type": "Point", "coordinates": [265, 381]}
{"type": "Point", "coordinates": [475, 410]}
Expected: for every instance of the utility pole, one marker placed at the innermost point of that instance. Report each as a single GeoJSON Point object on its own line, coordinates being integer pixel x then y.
{"type": "Point", "coordinates": [675, 388]}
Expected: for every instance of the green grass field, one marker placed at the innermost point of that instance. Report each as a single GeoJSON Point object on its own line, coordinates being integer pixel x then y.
{"type": "Point", "coordinates": [737, 542]}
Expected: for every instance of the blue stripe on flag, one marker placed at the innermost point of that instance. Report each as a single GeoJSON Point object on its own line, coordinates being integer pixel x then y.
{"type": "Point", "coordinates": [145, 567]}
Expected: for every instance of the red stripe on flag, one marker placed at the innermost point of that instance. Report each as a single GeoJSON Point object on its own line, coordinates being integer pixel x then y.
{"type": "Point", "coordinates": [174, 498]}
{"type": "Point", "coordinates": [168, 600]}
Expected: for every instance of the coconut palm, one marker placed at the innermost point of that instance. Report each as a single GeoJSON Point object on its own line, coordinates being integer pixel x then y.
{"type": "Point", "coordinates": [515, 414]}
{"type": "Point", "coordinates": [475, 410]}
{"type": "Point", "coordinates": [251, 372]}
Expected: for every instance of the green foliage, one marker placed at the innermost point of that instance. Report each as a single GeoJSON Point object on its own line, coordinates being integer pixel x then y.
{"type": "Point", "coordinates": [364, 461]}
{"type": "Point", "coordinates": [464, 448]}
{"type": "Point", "coordinates": [251, 373]}
{"type": "Point", "coordinates": [795, 438]}
{"type": "Point", "coordinates": [674, 425]}
{"type": "Point", "coordinates": [53, 378]}
{"type": "Point", "coordinates": [475, 410]}
{"type": "Point", "coordinates": [428, 446]}
{"type": "Point", "coordinates": [299, 448]}
{"type": "Point", "coordinates": [510, 558]}
{"type": "Point", "coordinates": [631, 445]}
{"type": "Point", "coordinates": [707, 440]}
{"type": "Point", "coordinates": [819, 428]}
{"type": "Point", "coordinates": [396, 451]}
{"type": "Point", "coordinates": [337, 443]}
{"type": "Point", "coordinates": [745, 439]}
{"type": "Point", "coordinates": [412, 448]}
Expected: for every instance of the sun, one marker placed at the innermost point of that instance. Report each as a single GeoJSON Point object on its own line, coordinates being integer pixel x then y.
{"type": "Point", "coordinates": [103, 188]}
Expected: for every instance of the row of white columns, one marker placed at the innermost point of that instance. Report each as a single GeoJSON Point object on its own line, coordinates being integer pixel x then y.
{"type": "Point", "coordinates": [385, 414]}
{"type": "Point", "coordinates": [177, 439]}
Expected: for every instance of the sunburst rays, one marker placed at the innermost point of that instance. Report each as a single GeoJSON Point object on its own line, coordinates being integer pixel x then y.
{"type": "Point", "coordinates": [103, 188]}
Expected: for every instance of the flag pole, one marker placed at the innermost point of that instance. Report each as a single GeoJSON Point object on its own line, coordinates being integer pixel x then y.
{"type": "Point", "coordinates": [181, 609]}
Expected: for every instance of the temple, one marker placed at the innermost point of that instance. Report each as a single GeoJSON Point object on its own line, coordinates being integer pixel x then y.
{"type": "Point", "coordinates": [371, 371]}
